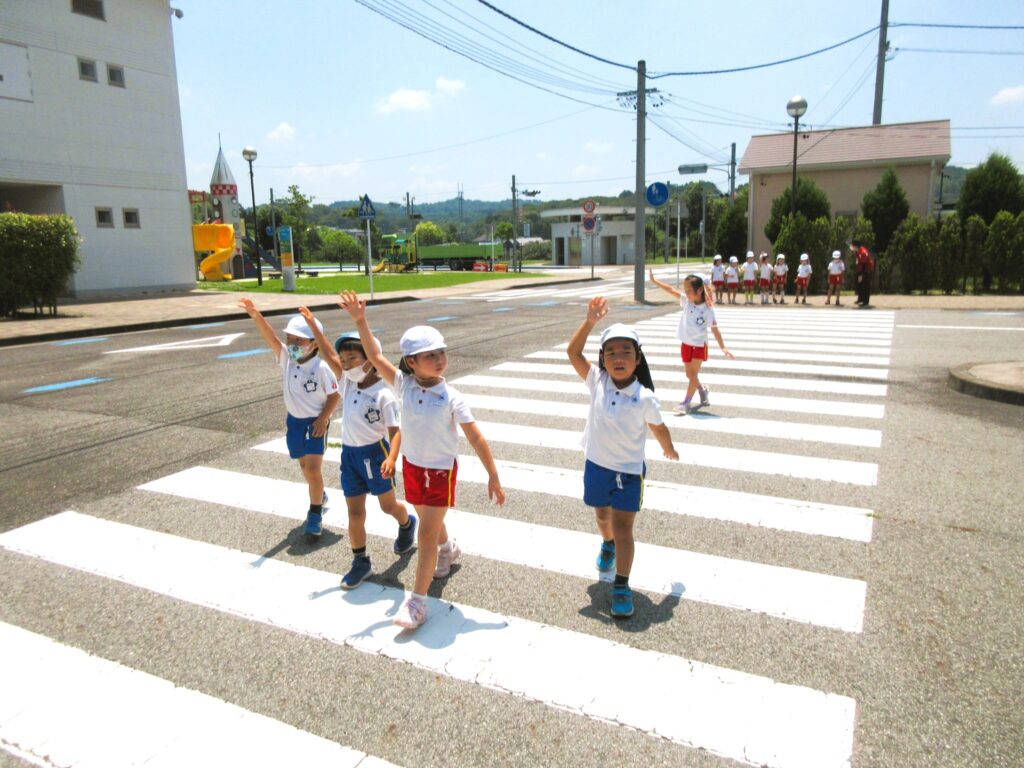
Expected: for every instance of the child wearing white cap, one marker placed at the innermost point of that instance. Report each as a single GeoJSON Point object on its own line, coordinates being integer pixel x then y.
{"type": "Point", "coordinates": [781, 270]}
{"type": "Point", "coordinates": [732, 279]}
{"type": "Point", "coordinates": [717, 276]}
{"type": "Point", "coordinates": [765, 278]}
{"type": "Point", "coordinates": [697, 316]}
{"type": "Point", "coordinates": [370, 440]}
{"type": "Point", "coordinates": [749, 278]}
{"type": "Point", "coordinates": [836, 270]}
{"type": "Point", "coordinates": [310, 397]}
{"type": "Point", "coordinates": [622, 408]}
{"type": "Point", "coordinates": [430, 443]}
{"type": "Point", "coordinates": [803, 278]}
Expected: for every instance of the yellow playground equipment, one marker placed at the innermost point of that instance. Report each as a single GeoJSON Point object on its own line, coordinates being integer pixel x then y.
{"type": "Point", "coordinates": [219, 238]}
{"type": "Point", "coordinates": [399, 255]}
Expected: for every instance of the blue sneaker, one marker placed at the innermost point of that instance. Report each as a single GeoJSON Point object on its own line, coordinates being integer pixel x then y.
{"type": "Point", "coordinates": [606, 557]}
{"type": "Point", "coordinates": [406, 537]}
{"type": "Point", "coordinates": [360, 570]}
{"type": "Point", "coordinates": [314, 524]}
{"type": "Point", "coordinates": [622, 601]}
{"type": "Point", "coordinates": [323, 504]}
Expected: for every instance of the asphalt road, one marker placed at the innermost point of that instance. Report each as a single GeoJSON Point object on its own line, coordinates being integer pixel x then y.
{"type": "Point", "coordinates": [934, 661]}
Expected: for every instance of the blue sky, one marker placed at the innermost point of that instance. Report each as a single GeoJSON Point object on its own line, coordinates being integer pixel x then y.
{"type": "Point", "coordinates": [327, 90]}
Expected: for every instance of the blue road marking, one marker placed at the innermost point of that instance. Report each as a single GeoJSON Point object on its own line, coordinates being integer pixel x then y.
{"type": "Point", "coordinates": [545, 304]}
{"type": "Point", "coordinates": [637, 306]}
{"type": "Point", "coordinates": [504, 309]}
{"type": "Point", "coordinates": [79, 341]}
{"type": "Point", "coordinates": [206, 325]}
{"type": "Point", "coordinates": [243, 353]}
{"type": "Point", "coordinates": [441, 318]}
{"type": "Point", "coordinates": [62, 385]}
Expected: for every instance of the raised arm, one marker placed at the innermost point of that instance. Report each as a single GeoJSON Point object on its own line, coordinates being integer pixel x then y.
{"type": "Point", "coordinates": [263, 326]}
{"type": "Point", "coordinates": [327, 351]}
{"type": "Point", "coordinates": [664, 286]}
{"type": "Point", "coordinates": [596, 309]}
{"type": "Point", "coordinates": [357, 311]}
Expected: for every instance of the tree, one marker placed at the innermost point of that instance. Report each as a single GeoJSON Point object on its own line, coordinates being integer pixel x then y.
{"type": "Point", "coordinates": [341, 247]}
{"type": "Point", "coordinates": [975, 234]}
{"type": "Point", "coordinates": [811, 201]}
{"type": "Point", "coordinates": [998, 250]}
{"type": "Point", "coordinates": [798, 235]}
{"type": "Point", "coordinates": [297, 207]}
{"type": "Point", "coordinates": [428, 233]}
{"type": "Point", "coordinates": [731, 232]}
{"type": "Point", "coordinates": [993, 186]}
{"type": "Point", "coordinates": [452, 233]}
{"type": "Point", "coordinates": [951, 246]}
{"type": "Point", "coordinates": [1017, 261]}
{"type": "Point", "coordinates": [910, 261]}
{"type": "Point", "coordinates": [885, 207]}
{"type": "Point", "coordinates": [503, 230]}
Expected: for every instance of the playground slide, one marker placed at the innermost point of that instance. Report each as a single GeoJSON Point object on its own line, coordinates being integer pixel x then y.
{"type": "Point", "coordinates": [219, 238]}
{"type": "Point", "coordinates": [381, 266]}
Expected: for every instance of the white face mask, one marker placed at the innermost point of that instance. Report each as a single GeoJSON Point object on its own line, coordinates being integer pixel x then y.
{"type": "Point", "coordinates": [356, 375]}
{"type": "Point", "coordinates": [295, 351]}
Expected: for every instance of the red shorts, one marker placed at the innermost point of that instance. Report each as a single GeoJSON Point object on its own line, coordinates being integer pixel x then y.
{"type": "Point", "coordinates": [835, 279]}
{"type": "Point", "coordinates": [780, 279]}
{"type": "Point", "coordinates": [693, 353]}
{"type": "Point", "coordinates": [718, 283]}
{"type": "Point", "coordinates": [765, 282]}
{"type": "Point", "coordinates": [801, 282]}
{"type": "Point", "coordinates": [429, 487]}
{"type": "Point", "coordinates": [732, 286]}
{"type": "Point", "coordinates": [748, 284]}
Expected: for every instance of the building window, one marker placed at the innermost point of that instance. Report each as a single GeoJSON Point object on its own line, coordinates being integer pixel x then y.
{"type": "Point", "coordinates": [115, 75]}
{"type": "Point", "coordinates": [87, 70]}
{"type": "Point", "coordinates": [131, 218]}
{"type": "Point", "coordinates": [105, 218]}
{"type": "Point", "coordinates": [92, 8]}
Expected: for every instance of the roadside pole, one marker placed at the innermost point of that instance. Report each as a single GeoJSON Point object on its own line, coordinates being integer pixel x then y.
{"type": "Point", "coordinates": [367, 213]}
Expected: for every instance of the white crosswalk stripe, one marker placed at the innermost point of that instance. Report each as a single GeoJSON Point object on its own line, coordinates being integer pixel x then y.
{"type": "Point", "coordinates": [801, 408]}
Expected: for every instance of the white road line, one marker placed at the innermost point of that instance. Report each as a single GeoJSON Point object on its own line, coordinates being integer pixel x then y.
{"type": "Point", "coordinates": [788, 593]}
{"type": "Point", "coordinates": [770, 333]}
{"type": "Point", "coordinates": [966, 327]}
{"type": "Point", "coordinates": [757, 382]}
{"type": "Point", "coordinates": [774, 512]}
{"type": "Point", "coordinates": [699, 455]}
{"type": "Point", "coordinates": [799, 338]}
{"type": "Point", "coordinates": [651, 351]}
{"type": "Point", "coordinates": [744, 717]}
{"type": "Point", "coordinates": [671, 346]}
{"type": "Point", "coordinates": [64, 706]}
{"type": "Point", "coordinates": [760, 402]}
{"type": "Point", "coordinates": [703, 422]}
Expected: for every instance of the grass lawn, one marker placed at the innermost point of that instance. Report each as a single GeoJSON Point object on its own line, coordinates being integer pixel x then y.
{"type": "Point", "coordinates": [382, 283]}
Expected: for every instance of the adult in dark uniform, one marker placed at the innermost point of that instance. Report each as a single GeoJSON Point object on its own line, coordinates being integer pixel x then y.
{"type": "Point", "coordinates": [864, 267]}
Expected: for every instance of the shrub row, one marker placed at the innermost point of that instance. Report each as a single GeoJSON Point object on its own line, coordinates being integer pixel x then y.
{"type": "Point", "coordinates": [38, 256]}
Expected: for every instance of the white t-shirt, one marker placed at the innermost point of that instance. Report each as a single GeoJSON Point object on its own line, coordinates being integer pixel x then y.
{"type": "Point", "coordinates": [429, 415]}
{"type": "Point", "coordinates": [717, 273]}
{"type": "Point", "coordinates": [766, 271]}
{"type": "Point", "coordinates": [306, 386]}
{"type": "Point", "coordinates": [616, 431]}
{"type": "Point", "coordinates": [694, 322]}
{"type": "Point", "coordinates": [367, 413]}
{"type": "Point", "coordinates": [781, 269]}
{"type": "Point", "coordinates": [731, 275]}
{"type": "Point", "coordinates": [749, 270]}
{"type": "Point", "coordinates": [804, 270]}
{"type": "Point", "coordinates": [836, 267]}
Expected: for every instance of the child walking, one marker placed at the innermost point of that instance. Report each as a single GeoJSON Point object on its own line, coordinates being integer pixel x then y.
{"type": "Point", "coordinates": [803, 278]}
{"type": "Point", "coordinates": [370, 441]}
{"type": "Point", "coordinates": [310, 397]}
{"type": "Point", "coordinates": [749, 278]}
{"type": "Point", "coordinates": [781, 270]}
{"type": "Point", "coordinates": [836, 270]}
{"type": "Point", "coordinates": [732, 279]}
{"type": "Point", "coordinates": [698, 315]}
{"type": "Point", "coordinates": [614, 441]}
{"type": "Point", "coordinates": [766, 278]}
{"type": "Point", "coordinates": [430, 443]}
{"type": "Point", "coordinates": [717, 277]}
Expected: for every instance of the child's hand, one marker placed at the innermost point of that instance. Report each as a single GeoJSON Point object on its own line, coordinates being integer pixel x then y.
{"type": "Point", "coordinates": [320, 425]}
{"type": "Point", "coordinates": [728, 354]}
{"type": "Point", "coordinates": [597, 309]}
{"type": "Point", "coordinates": [304, 311]}
{"type": "Point", "coordinates": [494, 490]}
{"type": "Point", "coordinates": [248, 306]}
{"type": "Point", "coordinates": [387, 468]}
{"type": "Point", "coordinates": [350, 303]}
{"type": "Point", "coordinates": [672, 454]}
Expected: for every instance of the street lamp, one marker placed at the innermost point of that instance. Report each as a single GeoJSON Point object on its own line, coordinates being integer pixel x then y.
{"type": "Point", "coordinates": [250, 154]}
{"type": "Point", "coordinates": [796, 108]}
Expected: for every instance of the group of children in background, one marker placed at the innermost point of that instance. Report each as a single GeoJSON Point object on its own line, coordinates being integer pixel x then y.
{"type": "Point", "coordinates": [771, 279]}
{"type": "Point", "coordinates": [411, 411]}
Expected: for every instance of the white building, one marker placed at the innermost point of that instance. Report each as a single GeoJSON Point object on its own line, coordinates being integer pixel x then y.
{"type": "Point", "coordinates": [91, 127]}
{"type": "Point", "coordinates": [613, 244]}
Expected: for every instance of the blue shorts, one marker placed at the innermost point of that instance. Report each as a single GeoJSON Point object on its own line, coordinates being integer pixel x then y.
{"type": "Point", "coordinates": [607, 488]}
{"type": "Point", "coordinates": [360, 469]}
{"type": "Point", "coordinates": [300, 440]}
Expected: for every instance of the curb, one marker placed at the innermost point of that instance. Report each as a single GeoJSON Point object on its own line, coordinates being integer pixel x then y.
{"type": "Point", "coordinates": [961, 379]}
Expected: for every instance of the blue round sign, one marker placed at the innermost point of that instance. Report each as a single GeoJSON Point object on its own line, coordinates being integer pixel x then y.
{"type": "Point", "coordinates": [657, 194]}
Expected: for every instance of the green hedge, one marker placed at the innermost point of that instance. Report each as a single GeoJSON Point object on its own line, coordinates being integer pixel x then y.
{"type": "Point", "coordinates": [38, 255]}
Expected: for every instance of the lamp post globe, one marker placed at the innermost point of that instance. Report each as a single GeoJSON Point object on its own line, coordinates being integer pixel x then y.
{"type": "Point", "coordinates": [249, 154]}
{"type": "Point", "coordinates": [796, 108]}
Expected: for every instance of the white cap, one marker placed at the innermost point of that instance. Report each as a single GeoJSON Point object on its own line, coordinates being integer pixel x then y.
{"type": "Point", "coordinates": [718, 257]}
{"type": "Point", "coordinates": [297, 326]}
{"type": "Point", "coordinates": [733, 260]}
{"type": "Point", "coordinates": [619, 331]}
{"type": "Point", "coordinates": [750, 254]}
{"type": "Point", "coordinates": [836, 255]}
{"type": "Point", "coordinates": [781, 257]}
{"type": "Point", "coordinates": [804, 257]}
{"type": "Point", "coordinates": [354, 336]}
{"type": "Point", "coordinates": [421, 338]}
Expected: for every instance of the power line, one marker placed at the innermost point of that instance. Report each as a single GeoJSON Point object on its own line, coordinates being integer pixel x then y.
{"type": "Point", "coordinates": [974, 52]}
{"type": "Point", "coordinates": [663, 129]}
{"type": "Point", "coordinates": [954, 26]}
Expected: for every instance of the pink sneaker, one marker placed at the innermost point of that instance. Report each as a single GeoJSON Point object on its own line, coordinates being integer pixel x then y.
{"type": "Point", "coordinates": [445, 557]}
{"type": "Point", "coordinates": [412, 613]}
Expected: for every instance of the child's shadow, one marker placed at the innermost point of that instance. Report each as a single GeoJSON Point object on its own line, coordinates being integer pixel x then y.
{"type": "Point", "coordinates": [645, 611]}
{"type": "Point", "coordinates": [297, 543]}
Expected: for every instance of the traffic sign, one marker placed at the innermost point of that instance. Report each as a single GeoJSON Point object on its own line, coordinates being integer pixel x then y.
{"type": "Point", "coordinates": [589, 224]}
{"type": "Point", "coordinates": [657, 194]}
{"type": "Point", "coordinates": [366, 209]}
{"type": "Point", "coordinates": [688, 169]}
{"type": "Point", "coordinates": [589, 206]}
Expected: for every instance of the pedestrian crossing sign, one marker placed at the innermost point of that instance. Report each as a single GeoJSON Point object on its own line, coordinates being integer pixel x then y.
{"type": "Point", "coordinates": [366, 209]}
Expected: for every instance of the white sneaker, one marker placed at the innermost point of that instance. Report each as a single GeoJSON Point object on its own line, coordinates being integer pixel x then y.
{"type": "Point", "coordinates": [412, 613]}
{"type": "Point", "coordinates": [704, 401]}
{"type": "Point", "coordinates": [445, 557]}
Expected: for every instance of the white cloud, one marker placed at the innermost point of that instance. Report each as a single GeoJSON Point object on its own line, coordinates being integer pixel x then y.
{"type": "Point", "coordinates": [184, 92]}
{"type": "Point", "coordinates": [542, 155]}
{"type": "Point", "coordinates": [283, 132]}
{"type": "Point", "coordinates": [449, 87]}
{"type": "Point", "coordinates": [585, 171]}
{"type": "Point", "coordinates": [1010, 95]}
{"type": "Point", "coordinates": [598, 147]}
{"type": "Point", "coordinates": [405, 100]}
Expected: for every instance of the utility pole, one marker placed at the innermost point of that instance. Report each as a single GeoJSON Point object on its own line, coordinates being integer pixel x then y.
{"type": "Point", "coordinates": [668, 217]}
{"type": "Point", "coordinates": [461, 219]}
{"type": "Point", "coordinates": [515, 223]}
{"type": "Point", "coordinates": [732, 174]}
{"type": "Point", "coordinates": [883, 48]}
{"type": "Point", "coordinates": [639, 246]}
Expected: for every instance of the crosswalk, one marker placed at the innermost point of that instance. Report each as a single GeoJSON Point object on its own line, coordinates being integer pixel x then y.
{"type": "Point", "coordinates": [800, 414]}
